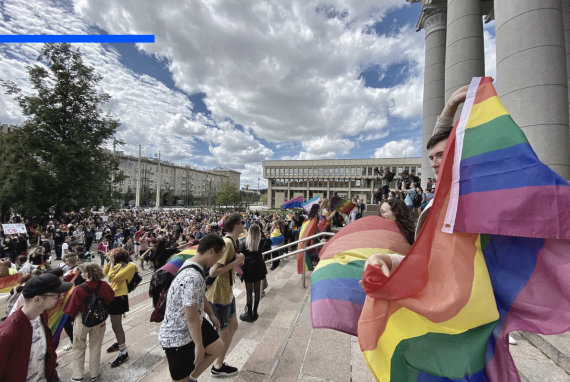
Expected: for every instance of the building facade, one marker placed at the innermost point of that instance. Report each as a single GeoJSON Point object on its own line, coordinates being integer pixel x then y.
{"type": "Point", "coordinates": [533, 66]}
{"type": "Point", "coordinates": [287, 179]}
{"type": "Point", "coordinates": [183, 182]}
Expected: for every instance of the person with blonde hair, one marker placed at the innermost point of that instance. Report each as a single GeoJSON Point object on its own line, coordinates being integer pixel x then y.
{"type": "Point", "coordinates": [254, 271]}
{"type": "Point", "coordinates": [93, 276]}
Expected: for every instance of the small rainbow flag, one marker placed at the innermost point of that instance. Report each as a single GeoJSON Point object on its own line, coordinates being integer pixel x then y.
{"type": "Point", "coordinates": [56, 318]}
{"type": "Point", "coordinates": [309, 228]}
{"type": "Point", "coordinates": [472, 277]}
{"type": "Point", "coordinates": [8, 282]}
{"type": "Point", "coordinates": [336, 295]}
{"type": "Point", "coordinates": [342, 205]}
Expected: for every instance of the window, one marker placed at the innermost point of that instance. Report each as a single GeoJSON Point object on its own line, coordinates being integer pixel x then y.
{"type": "Point", "coordinates": [358, 183]}
{"type": "Point", "coordinates": [280, 172]}
{"type": "Point", "coordinates": [352, 171]}
{"type": "Point", "coordinates": [305, 171]}
{"type": "Point", "coordinates": [267, 172]}
{"type": "Point", "coordinates": [272, 172]}
{"type": "Point", "coordinates": [326, 171]}
{"type": "Point", "coordinates": [320, 171]}
{"type": "Point", "coordinates": [336, 171]}
{"type": "Point", "coordinates": [342, 171]}
{"type": "Point", "coordinates": [295, 171]}
{"type": "Point", "coordinates": [358, 171]}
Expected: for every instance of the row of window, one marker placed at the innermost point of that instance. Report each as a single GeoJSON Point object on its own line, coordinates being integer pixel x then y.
{"type": "Point", "coordinates": [332, 183]}
{"type": "Point", "coordinates": [271, 172]}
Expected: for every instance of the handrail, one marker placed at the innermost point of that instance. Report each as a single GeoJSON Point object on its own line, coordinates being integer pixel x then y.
{"type": "Point", "coordinates": [298, 250]}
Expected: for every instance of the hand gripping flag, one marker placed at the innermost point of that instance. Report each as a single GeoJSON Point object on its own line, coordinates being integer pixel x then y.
{"type": "Point", "coordinates": [471, 278]}
{"type": "Point", "coordinates": [336, 295]}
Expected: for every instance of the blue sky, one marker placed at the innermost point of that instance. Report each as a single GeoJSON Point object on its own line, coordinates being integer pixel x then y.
{"type": "Point", "coordinates": [231, 83]}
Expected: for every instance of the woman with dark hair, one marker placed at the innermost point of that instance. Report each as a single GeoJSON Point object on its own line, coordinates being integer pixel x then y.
{"type": "Point", "coordinates": [119, 270]}
{"type": "Point", "coordinates": [396, 210]}
{"type": "Point", "coordinates": [254, 271]}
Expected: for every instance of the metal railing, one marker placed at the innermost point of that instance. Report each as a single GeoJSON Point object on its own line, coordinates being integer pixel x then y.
{"type": "Point", "coordinates": [316, 236]}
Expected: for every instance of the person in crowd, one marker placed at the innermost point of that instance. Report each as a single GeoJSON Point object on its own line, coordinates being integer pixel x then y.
{"type": "Point", "coordinates": [254, 271]}
{"type": "Point", "coordinates": [66, 246]}
{"type": "Point", "coordinates": [75, 305]}
{"type": "Point", "coordinates": [26, 347]}
{"type": "Point", "coordinates": [384, 183]}
{"type": "Point", "coordinates": [410, 194]}
{"type": "Point", "coordinates": [119, 270]}
{"type": "Point", "coordinates": [188, 338]}
{"type": "Point", "coordinates": [89, 237]}
{"type": "Point", "coordinates": [220, 293]}
{"type": "Point", "coordinates": [103, 249]}
{"type": "Point", "coordinates": [325, 216]}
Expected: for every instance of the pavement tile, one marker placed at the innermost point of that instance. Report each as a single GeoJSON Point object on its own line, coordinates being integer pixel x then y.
{"type": "Point", "coordinates": [359, 368]}
{"type": "Point", "coordinates": [328, 355]}
{"type": "Point", "coordinates": [262, 359]}
{"type": "Point", "coordinates": [291, 360]}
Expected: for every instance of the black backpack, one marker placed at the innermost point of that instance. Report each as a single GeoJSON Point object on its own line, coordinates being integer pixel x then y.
{"type": "Point", "coordinates": [157, 314]}
{"type": "Point", "coordinates": [134, 283]}
{"type": "Point", "coordinates": [96, 310]}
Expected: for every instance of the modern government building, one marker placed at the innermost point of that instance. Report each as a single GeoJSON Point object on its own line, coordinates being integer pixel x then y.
{"type": "Point", "coordinates": [287, 179]}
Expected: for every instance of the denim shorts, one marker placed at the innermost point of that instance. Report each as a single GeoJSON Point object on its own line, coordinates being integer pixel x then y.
{"type": "Point", "coordinates": [224, 313]}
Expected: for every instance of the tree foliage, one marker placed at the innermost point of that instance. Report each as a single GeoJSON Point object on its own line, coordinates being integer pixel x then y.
{"type": "Point", "coordinates": [56, 161]}
{"type": "Point", "coordinates": [228, 194]}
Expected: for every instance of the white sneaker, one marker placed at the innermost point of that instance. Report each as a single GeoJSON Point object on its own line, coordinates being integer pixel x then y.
{"type": "Point", "coordinates": [512, 341]}
{"type": "Point", "coordinates": [68, 347]}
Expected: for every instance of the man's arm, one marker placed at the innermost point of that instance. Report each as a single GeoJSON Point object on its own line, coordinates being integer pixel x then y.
{"type": "Point", "coordinates": [195, 327]}
{"type": "Point", "coordinates": [219, 268]}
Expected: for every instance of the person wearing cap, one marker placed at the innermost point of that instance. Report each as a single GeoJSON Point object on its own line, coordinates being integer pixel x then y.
{"type": "Point", "coordinates": [26, 346]}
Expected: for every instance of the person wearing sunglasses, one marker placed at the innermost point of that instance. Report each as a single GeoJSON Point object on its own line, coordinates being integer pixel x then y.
{"type": "Point", "coordinates": [26, 346]}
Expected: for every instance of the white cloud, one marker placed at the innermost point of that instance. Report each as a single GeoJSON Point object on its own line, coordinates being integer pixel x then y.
{"type": "Point", "coordinates": [490, 50]}
{"type": "Point", "coordinates": [399, 149]}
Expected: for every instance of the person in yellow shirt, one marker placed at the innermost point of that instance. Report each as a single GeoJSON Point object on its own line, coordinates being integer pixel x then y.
{"type": "Point", "coordinates": [119, 270]}
{"type": "Point", "coordinates": [220, 293]}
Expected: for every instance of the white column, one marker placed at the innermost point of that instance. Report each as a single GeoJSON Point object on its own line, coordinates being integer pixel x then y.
{"type": "Point", "coordinates": [465, 55]}
{"type": "Point", "coordinates": [532, 76]}
{"type": "Point", "coordinates": [434, 23]}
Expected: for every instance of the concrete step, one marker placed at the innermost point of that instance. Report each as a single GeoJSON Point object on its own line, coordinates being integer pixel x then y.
{"type": "Point", "coordinates": [533, 364]}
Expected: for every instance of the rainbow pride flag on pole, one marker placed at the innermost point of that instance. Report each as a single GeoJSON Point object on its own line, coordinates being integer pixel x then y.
{"type": "Point", "coordinates": [293, 203]}
{"type": "Point", "coordinates": [336, 295]}
{"type": "Point", "coordinates": [472, 277]}
{"type": "Point", "coordinates": [309, 228]}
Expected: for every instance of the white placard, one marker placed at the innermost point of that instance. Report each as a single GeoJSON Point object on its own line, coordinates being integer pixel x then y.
{"type": "Point", "coordinates": [13, 229]}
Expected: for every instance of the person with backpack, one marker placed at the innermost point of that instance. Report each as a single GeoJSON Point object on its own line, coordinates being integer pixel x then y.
{"type": "Point", "coordinates": [87, 300]}
{"type": "Point", "coordinates": [120, 271]}
{"type": "Point", "coordinates": [189, 340]}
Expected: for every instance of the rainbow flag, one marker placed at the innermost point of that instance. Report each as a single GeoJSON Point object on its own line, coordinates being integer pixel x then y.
{"type": "Point", "coordinates": [342, 205]}
{"type": "Point", "coordinates": [446, 311]}
{"type": "Point", "coordinates": [276, 237]}
{"type": "Point", "coordinates": [309, 228]}
{"type": "Point", "coordinates": [176, 261]}
{"type": "Point", "coordinates": [56, 319]}
{"type": "Point", "coordinates": [336, 295]}
{"type": "Point", "coordinates": [8, 282]}
{"type": "Point", "coordinates": [293, 203]}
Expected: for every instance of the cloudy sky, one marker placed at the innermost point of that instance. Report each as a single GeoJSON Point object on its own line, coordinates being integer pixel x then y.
{"type": "Point", "coordinates": [232, 83]}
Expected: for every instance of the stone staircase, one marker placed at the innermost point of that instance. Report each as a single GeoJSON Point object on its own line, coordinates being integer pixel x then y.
{"type": "Point", "coordinates": [282, 346]}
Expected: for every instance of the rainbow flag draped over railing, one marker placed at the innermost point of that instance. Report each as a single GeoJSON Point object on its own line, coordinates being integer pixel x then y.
{"type": "Point", "coordinates": [7, 283]}
{"type": "Point", "coordinates": [446, 311]}
{"type": "Point", "coordinates": [176, 261]}
{"type": "Point", "coordinates": [336, 295]}
{"type": "Point", "coordinates": [309, 228]}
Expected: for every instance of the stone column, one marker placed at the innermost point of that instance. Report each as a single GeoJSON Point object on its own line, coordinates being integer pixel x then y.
{"type": "Point", "coordinates": [269, 198]}
{"type": "Point", "coordinates": [465, 55]}
{"type": "Point", "coordinates": [433, 21]}
{"type": "Point", "coordinates": [532, 77]}
{"type": "Point", "coordinates": [566, 19]}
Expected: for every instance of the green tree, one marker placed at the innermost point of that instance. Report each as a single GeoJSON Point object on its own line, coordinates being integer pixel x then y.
{"type": "Point", "coordinates": [58, 154]}
{"type": "Point", "coordinates": [228, 194]}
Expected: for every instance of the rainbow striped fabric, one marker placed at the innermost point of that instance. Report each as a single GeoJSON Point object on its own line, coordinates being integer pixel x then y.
{"type": "Point", "coordinates": [342, 205]}
{"type": "Point", "coordinates": [446, 311]}
{"type": "Point", "coordinates": [8, 282]}
{"type": "Point", "coordinates": [176, 261]}
{"type": "Point", "coordinates": [336, 295]}
{"type": "Point", "coordinates": [56, 319]}
{"type": "Point", "coordinates": [309, 228]}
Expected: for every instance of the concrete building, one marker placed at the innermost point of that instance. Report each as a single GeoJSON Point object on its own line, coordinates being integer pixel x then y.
{"type": "Point", "coordinates": [287, 179]}
{"type": "Point", "coordinates": [533, 66]}
{"type": "Point", "coordinates": [8, 128]}
{"type": "Point", "coordinates": [184, 182]}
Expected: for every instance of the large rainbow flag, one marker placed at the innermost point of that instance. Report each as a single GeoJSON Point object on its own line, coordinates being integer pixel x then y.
{"type": "Point", "coordinates": [176, 261]}
{"type": "Point", "coordinates": [293, 203]}
{"type": "Point", "coordinates": [336, 295]}
{"type": "Point", "coordinates": [470, 279]}
{"type": "Point", "coordinates": [309, 228]}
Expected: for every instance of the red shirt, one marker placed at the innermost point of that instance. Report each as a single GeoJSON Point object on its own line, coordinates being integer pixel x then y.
{"type": "Point", "coordinates": [76, 302]}
{"type": "Point", "coordinates": [15, 345]}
